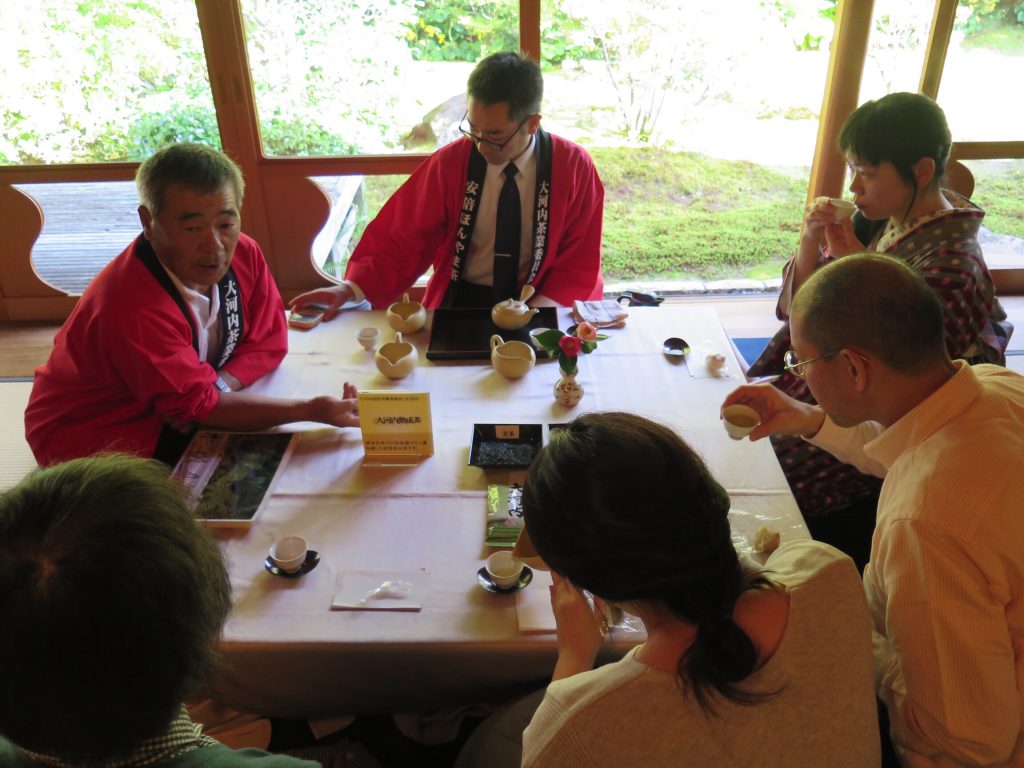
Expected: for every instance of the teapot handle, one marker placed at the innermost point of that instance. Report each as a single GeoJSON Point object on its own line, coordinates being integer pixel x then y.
{"type": "Point", "coordinates": [496, 341]}
{"type": "Point", "coordinates": [527, 294]}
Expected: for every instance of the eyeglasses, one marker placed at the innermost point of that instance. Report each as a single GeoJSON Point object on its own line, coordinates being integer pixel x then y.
{"type": "Point", "coordinates": [466, 129]}
{"type": "Point", "coordinates": [797, 366]}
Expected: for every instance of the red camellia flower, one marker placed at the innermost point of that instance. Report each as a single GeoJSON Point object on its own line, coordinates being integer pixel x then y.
{"type": "Point", "coordinates": [570, 345]}
{"type": "Point", "coordinates": [586, 332]}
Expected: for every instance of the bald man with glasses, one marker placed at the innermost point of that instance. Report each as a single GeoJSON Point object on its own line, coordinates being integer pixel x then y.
{"type": "Point", "coordinates": [945, 581]}
{"type": "Point", "coordinates": [507, 206]}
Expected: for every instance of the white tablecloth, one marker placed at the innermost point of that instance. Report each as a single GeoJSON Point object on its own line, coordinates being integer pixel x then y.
{"type": "Point", "coordinates": [290, 655]}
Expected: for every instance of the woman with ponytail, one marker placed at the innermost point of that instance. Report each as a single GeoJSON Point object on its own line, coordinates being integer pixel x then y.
{"type": "Point", "coordinates": [742, 665]}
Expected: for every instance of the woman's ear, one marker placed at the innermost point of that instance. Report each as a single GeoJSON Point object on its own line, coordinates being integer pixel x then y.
{"type": "Point", "coordinates": [924, 171]}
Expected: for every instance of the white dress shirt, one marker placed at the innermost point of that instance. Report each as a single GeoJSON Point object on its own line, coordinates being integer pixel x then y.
{"type": "Point", "coordinates": [205, 310]}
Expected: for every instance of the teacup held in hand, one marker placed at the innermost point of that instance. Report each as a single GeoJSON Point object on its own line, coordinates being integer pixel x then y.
{"type": "Point", "coordinates": [512, 359]}
{"type": "Point", "coordinates": [396, 359]}
{"type": "Point", "coordinates": [843, 208]}
{"type": "Point", "coordinates": [406, 316]}
{"type": "Point", "coordinates": [740, 420]}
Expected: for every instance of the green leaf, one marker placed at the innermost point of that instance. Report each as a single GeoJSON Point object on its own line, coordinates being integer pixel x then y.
{"type": "Point", "coordinates": [549, 338]}
{"type": "Point", "coordinates": [567, 363]}
{"type": "Point", "coordinates": [589, 346]}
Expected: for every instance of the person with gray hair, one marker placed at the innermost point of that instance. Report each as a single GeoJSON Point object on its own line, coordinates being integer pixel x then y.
{"type": "Point", "coordinates": [508, 205]}
{"type": "Point", "coordinates": [945, 581]}
{"type": "Point", "coordinates": [112, 601]}
{"type": "Point", "coordinates": [171, 332]}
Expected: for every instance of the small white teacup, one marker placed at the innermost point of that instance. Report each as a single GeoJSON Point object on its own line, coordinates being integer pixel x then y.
{"type": "Point", "coordinates": [740, 420]}
{"type": "Point", "coordinates": [504, 568]}
{"type": "Point", "coordinates": [844, 208]}
{"type": "Point", "coordinates": [368, 338]}
{"type": "Point", "coordinates": [289, 553]}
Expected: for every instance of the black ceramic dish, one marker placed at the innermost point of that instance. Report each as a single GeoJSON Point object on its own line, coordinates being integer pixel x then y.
{"type": "Point", "coordinates": [312, 561]}
{"type": "Point", "coordinates": [484, 579]}
{"type": "Point", "coordinates": [493, 449]}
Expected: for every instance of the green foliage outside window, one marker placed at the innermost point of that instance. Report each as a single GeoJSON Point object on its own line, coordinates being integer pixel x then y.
{"type": "Point", "coordinates": [468, 30]}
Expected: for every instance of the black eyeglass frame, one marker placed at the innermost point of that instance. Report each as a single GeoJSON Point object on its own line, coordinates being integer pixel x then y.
{"type": "Point", "coordinates": [481, 140]}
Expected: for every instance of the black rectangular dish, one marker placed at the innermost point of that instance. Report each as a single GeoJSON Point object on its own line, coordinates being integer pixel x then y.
{"type": "Point", "coordinates": [465, 334]}
{"type": "Point", "coordinates": [505, 446]}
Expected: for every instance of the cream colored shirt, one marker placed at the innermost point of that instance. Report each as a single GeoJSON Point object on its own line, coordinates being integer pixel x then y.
{"type": "Point", "coordinates": [823, 714]}
{"type": "Point", "coordinates": [946, 579]}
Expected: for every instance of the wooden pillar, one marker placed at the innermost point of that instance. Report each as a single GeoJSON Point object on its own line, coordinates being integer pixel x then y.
{"type": "Point", "coordinates": [842, 91]}
{"type": "Point", "coordinates": [529, 28]}
{"type": "Point", "coordinates": [938, 43]}
{"type": "Point", "coordinates": [234, 97]}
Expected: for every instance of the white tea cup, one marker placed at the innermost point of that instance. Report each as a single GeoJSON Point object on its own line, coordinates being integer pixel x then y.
{"type": "Point", "coordinates": [843, 208]}
{"type": "Point", "coordinates": [504, 568]}
{"type": "Point", "coordinates": [367, 338]}
{"type": "Point", "coordinates": [289, 553]}
{"type": "Point", "coordinates": [740, 420]}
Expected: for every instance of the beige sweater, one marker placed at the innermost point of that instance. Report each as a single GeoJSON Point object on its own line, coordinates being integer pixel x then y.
{"type": "Point", "coordinates": [631, 714]}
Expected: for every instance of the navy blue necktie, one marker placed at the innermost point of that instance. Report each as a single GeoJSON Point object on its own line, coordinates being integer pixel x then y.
{"type": "Point", "coordinates": [506, 238]}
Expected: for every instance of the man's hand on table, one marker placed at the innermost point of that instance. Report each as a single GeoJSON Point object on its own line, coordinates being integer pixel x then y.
{"type": "Point", "coordinates": [332, 298]}
{"type": "Point", "coordinates": [780, 414]}
{"type": "Point", "coordinates": [248, 411]}
{"type": "Point", "coordinates": [339, 412]}
{"type": "Point", "coordinates": [579, 629]}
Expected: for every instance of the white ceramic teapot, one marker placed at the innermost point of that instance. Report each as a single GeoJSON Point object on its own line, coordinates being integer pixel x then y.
{"type": "Point", "coordinates": [513, 313]}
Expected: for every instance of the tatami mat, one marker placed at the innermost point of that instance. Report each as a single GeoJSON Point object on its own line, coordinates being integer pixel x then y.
{"type": "Point", "coordinates": [15, 457]}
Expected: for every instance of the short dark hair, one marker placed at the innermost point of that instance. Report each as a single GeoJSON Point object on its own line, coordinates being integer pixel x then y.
{"type": "Point", "coordinates": [623, 507]}
{"type": "Point", "coordinates": [112, 599]}
{"type": "Point", "coordinates": [899, 128]}
{"type": "Point", "coordinates": [192, 165]}
{"type": "Point", "coordinates": [877, 303]}
{"type": "Point", "coordinates": [511, 78]}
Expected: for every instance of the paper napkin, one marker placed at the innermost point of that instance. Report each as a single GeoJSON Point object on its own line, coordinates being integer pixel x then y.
{"type": "Point", "coordinates": [380, 591]}
{"type": "Point", "coordinates": [533, 604]}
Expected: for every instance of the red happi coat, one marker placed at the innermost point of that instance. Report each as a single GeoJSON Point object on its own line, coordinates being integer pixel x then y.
{"type": "Point", "coordinates": [417, 229]}
{"type": "Point", "coordinates": [125, 362]}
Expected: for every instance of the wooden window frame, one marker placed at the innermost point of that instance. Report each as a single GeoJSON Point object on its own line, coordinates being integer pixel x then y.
{"type": "Point", "coordinates": [284, 209]}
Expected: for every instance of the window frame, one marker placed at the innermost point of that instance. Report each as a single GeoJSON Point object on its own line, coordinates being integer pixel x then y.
{"type": "Point", "coordinates": [284, 209]}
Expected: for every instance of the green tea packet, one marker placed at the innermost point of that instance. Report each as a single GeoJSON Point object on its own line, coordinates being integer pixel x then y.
{"type": "Point", "coordinates": [504, 514]}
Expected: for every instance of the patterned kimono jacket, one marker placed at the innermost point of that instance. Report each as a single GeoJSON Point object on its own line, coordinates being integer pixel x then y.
{"type": "Point", "coordinates": [943, 247]}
